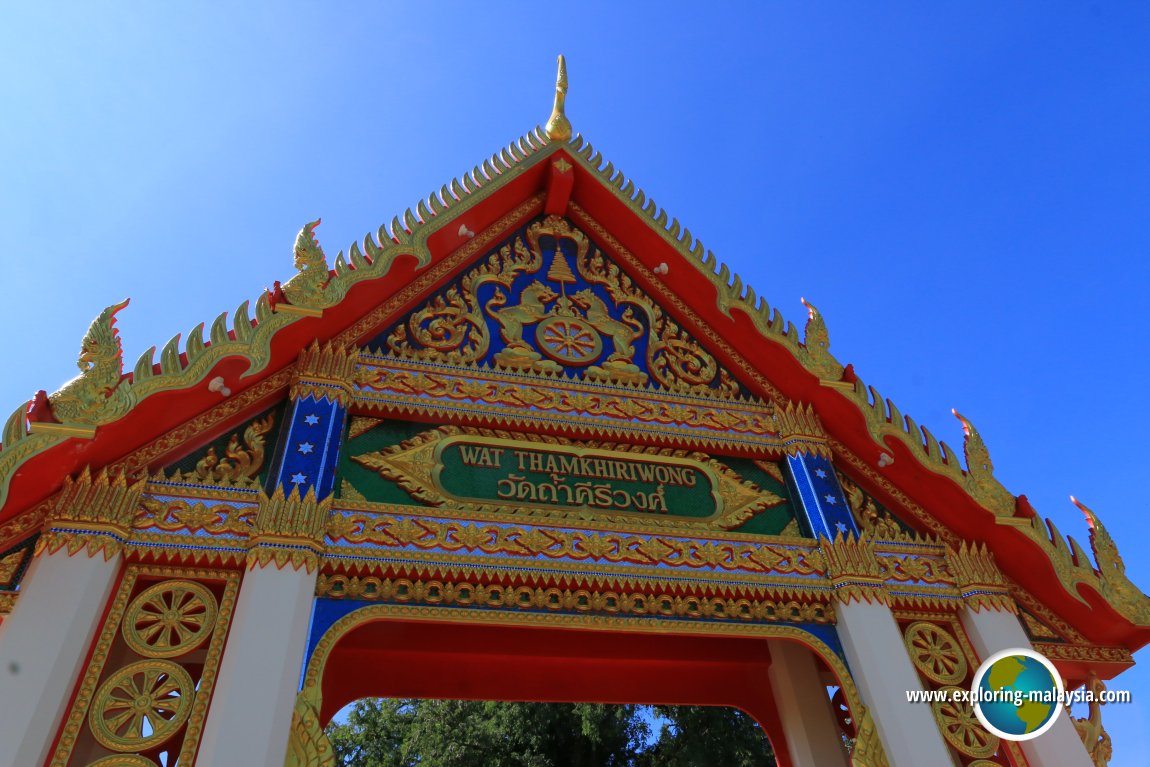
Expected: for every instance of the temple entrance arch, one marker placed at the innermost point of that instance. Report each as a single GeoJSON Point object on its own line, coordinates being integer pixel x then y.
{"type": "Point", "coordinates": [388, 651]}
{"type": "Point", "coordinates": [532, 422]}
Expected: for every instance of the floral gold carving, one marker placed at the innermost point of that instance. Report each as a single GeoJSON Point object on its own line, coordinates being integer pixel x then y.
{"type": "Point", "coordinates": [874, 521]}
{"type": "Point", "coordinates": [324, 372]}
{"type": "Point", "coordinates": [308, 744]}
{"type": "Point", "coordinates": [398, 532]}
{"type": "Point", "coordinates": [854, 569]}
{"type": "Point", "coordinates": [553, 599]}
{"type": "Point", "coordinates": [289, 529]}
{"type": "Point", "coordinates": [801, 430]}
{"type": "Point", "coordinates": [93, 512]}
{"type": "Point", "coordinates": [180, 514]}
{"type": "Point", "coordinates": [571, 330]}
{"type": "Point", "coordinates": [239, 465]}
{"type": "Point", "coordinates": [867, 750]}
{"type": "Point", "coordinates": [978, 578]}
{"type": "Point", "coordinates": [1090, 729]}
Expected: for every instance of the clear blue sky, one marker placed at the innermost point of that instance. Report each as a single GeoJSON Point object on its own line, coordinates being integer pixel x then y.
{"type": "Point", "coordinates": [963, 190]}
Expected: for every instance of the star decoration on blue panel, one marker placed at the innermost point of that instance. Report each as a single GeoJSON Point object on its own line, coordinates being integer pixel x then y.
{"type": "Point", "coordinates": [311, 420]}
{"type": "Point", "coordinates": [820, 474]}
{"type": "Point", "coordinates": [298, 478]}
{"type": "Point", "coordinates": [306, 447]}
{"type": "Point", "coordinates": [831, 499]}
{"type": "Point", "coordinates": [840, 527]}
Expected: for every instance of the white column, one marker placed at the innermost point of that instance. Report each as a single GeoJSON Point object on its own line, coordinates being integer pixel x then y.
{"type": "Point", "coordinates": [883, 672]}
{"type": "Point", "coordinates": [43, 646]}
{"type": "Point", "coordinates": [809, 725]}
{"type": "Point", "coordinates": [993, 630]}
{"type": "Point", "coordinates": [251, 709]}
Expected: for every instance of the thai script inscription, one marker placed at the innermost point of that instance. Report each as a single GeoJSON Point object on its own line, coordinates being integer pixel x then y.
{"type": "Point", "coordinates": [577, 478]}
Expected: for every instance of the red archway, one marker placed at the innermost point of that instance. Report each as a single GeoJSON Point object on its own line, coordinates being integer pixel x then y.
{"type": "Point", "coordinates": [484, 661]}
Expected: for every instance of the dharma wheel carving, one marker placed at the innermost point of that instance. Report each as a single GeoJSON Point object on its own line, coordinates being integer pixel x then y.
{"type": "Point", "coordinates": [170, 619]}
{"type": "Point", "coordinates": [936, 653]}
{"type": "Point", "coordinates": [141, 705]}
{"type": "Point", "coordinates": [961, 727]}
{"type": "Point", "coordinates": [123, 760]}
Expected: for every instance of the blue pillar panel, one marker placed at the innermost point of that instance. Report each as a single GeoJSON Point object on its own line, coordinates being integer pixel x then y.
{"type": "Point", "coordinates": [309, 450]}
{"type": "Point", "coordinates": [821, 497]}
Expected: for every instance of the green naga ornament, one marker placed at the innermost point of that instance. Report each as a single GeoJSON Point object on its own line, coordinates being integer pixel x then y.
{"type": "Point", "coordinates": [85, 398]}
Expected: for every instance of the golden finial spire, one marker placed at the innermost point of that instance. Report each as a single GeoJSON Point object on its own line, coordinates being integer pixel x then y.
{"type": "Point", "coordinates": [558, 127]}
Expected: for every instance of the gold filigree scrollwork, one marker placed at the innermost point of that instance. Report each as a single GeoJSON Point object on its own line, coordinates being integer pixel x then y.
{"type": "Point", "coordinates": [978, 578]}
{"type": "Point", "coordinates": [801, 431]}
{"type": "Point", "coordinates": [1090, 729]}
{"type": "Point", "coordinates": [289, 530]}
{"type": "Point", "coordinates": [240, 465]}
{"type": "Point", "coordinates": [467, 594]}
{"type": "Point", "coordinates": [169, 619]}
{"type": "Point", "coordinates": [9, 565]}
{"type": "Point", "coordinates": [547, 329]}
{"type": "Point", "coordinates": [180, 514]}
{"type": "Point", "coordinates": [325, 372]}
{"type": "Point", "coordinates": [868, 750]}
{"type": "Point", "coordinates": [854, 569]}
{"type": "Point", "coordinates": [308, 744]}
{"type": "Point", "coordinates": [141, 705]}
{"type": "Point", "coordinates": [97, 509]}
{"type": "Point", "coordinates": [874, 521]}
{"type": "Point", "coordinates": [394, 532]}
{"type": "Point", "coordinates": [935, 653]}
{"type": "Point", "coordinates": [960, 727]}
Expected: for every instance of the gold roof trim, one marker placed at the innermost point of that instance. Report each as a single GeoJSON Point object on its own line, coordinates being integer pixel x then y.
{"type": "Point", "coordinates": [252, 339]}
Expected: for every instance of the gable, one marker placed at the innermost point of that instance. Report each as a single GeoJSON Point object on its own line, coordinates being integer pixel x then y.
{"type": "Point", "coordinates": [642, 338]}
{"type": "Point", "coordinates": [549, 301]}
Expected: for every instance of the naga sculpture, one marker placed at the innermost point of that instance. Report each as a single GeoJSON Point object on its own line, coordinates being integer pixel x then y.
{"type": "Point", "coordinates": [306, 288]}
{"type": "Point", "coordinates": [82, 399]}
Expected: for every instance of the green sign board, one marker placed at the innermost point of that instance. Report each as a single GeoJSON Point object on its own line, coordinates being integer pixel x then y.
{"type": "Point", "coordinates": [451, 466]}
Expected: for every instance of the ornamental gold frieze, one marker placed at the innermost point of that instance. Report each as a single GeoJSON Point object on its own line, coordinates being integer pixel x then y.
{"type": "Point", "coordinates": [93, 513]}
{"type": "Point", "coordinates": [387, 533]}
{"type": "Point", "coordinates": [171, 514]}
{"type": "Point", "coordinates": [465, 593]}
{"type": "Point", "coordinates": [548, 476]}
{"type": "Point", "coordinates": [1057, 651]}
{"type": "Point", "coordinates": [436, 388]}
{"type": "Point", "coordinates": [324, 372]}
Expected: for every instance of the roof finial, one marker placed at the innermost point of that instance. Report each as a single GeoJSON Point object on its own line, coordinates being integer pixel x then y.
{"type": "Point", "coordinates": [558, 127]}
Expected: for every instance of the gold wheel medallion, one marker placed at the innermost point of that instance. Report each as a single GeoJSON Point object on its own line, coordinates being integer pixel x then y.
{"type": "Point", "coordinates": [569, 340]}
{"type": "Point", "coordinates": [123, 760]}
{"type": "Point", "coordinates": [141, 705]}
{"type": "Point", "coordinates": [169, 619]}
{"type": "Point", "coordinates": [961, 727]}
{"type": "Point", "coordinates": [936, 653]}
